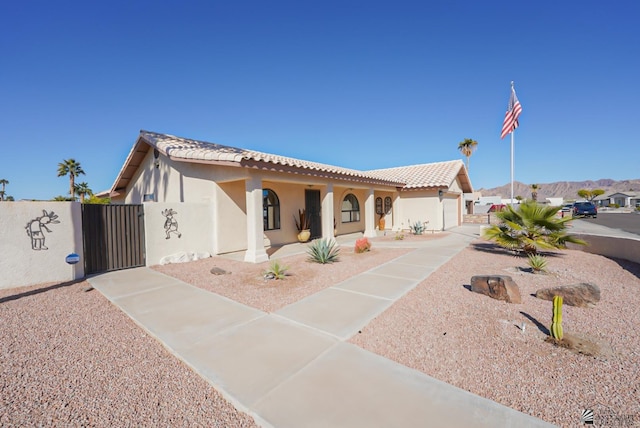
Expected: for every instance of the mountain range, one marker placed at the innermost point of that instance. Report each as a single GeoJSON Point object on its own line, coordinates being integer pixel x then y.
{"type": "Point", "coordinates": [565, 189]}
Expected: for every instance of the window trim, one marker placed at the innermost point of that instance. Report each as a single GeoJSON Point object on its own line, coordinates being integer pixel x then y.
{"type": "Point", "coordinates": [353, 214]}
{"type": "Point", "coordinates": [270, 211]}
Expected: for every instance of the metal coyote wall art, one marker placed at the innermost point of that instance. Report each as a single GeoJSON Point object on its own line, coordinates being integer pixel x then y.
{"type": "Point", "coordinates": [170, 224]}
{"type": "Point", "coordinates": [36, 228]}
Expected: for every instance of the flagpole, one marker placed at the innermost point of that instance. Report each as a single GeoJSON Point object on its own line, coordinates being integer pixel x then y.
{"type": "Point", "coordinates": [512, 163]}
{"type": "Point", "coordinates": [512, 145]}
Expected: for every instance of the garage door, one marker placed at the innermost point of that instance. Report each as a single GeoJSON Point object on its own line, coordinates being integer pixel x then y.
{"type": "Point", "coordinates": [451, 211]}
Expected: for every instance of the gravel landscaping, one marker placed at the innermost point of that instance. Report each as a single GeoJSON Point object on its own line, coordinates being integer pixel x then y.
{"type": "Point", "coordinates": [70, 358]}
{"type": "Point", "coordinates": [478, 344]}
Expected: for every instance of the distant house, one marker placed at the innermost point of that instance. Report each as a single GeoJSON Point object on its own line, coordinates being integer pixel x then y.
{"type": "Point", "coordinates": [622, 199]}
{"type": "Point", "coordinates": [253, 197]}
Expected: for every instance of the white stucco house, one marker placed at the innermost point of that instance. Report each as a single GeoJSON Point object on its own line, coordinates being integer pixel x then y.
{"type": "Point", "coordinates": [250, 198]}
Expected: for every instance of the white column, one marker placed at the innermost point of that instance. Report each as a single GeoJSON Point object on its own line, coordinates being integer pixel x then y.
{"type": "Point", "coordinates": [397, 216]}
{"type": "Point", "coordinates": [370, 215]}
{"type": "Point", "coordinates": [255, 227]}
{"type": "Point", "coordinates": [327, 213]}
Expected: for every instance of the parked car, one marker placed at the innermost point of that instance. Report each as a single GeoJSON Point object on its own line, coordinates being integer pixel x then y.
{"type": "Point", "coordinates": [585, 209]}
{"type": "Point", "coordinates": [567, 208]}
{"type": "Point", "coordinates": [497, 207]}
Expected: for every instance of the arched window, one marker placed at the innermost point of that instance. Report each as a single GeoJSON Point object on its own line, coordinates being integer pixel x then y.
{"type": "Point", "coordinates": [387, 205]}
{"type": "Point", "coordinates": [270, 209]}
{"type": "Point", "coordinates": [350, 209]}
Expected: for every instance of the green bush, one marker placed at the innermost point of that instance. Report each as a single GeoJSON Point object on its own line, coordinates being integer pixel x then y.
{"type": "Point", "coordinates": [323, 251]}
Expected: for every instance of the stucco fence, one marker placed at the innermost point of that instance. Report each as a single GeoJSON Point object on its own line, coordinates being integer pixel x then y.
{"type": "Point", "coordinates": [37, 237]}
{"type": "Point", "coordinates": [35, 240]}
{"type": "Point", "coordinates": [615, 247]}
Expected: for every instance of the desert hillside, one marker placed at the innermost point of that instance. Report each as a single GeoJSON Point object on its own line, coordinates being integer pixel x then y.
{"type": "Point", "coordinates": [565, 189]}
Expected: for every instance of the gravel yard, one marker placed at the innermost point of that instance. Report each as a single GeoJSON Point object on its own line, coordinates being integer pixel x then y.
{"type": "Point", "coordinates": [476, 343]}
{"type": "Point", "coordinates": [69, 357]}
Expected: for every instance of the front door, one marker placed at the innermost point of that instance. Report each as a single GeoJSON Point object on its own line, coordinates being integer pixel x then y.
{"type": "Point", "coordinates": [313, 207]}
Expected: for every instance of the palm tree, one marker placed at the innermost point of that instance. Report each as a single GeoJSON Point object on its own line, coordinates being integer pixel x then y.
{"type": "Point", "coordinates": [529, 227]}
{"type": "Point", "coordinates": [534, 192]}
{"type": "Point", "coordinates": [83, 190]}
{"type": "Point", "coordinates": [467, 147]}
{"type": "Point", "coordinates": [73, 169]}
{"type": "Point", "coordinates": [3, 182]}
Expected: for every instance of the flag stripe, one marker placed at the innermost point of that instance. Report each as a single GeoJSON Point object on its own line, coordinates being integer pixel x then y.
{"type": "Point", "coordinates": [511, 116]}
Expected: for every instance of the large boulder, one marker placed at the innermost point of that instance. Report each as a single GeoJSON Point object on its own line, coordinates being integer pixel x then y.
{"type": "Point", "coordinates": [583, 295]}
{"type": "Point", "coordinates": [500, 287]}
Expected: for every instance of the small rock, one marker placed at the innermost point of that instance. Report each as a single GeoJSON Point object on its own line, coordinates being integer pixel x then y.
{"type": "Point", "coordinates": [582, 295]}
{"type": "Point", "coordinates": [217, 271]}
{"type": "Point", "coordinates": [89, 288]}
{"type": "Point", "coordinates": [269, 275]}
{"type": "Point", "coordinates": [499, 287]}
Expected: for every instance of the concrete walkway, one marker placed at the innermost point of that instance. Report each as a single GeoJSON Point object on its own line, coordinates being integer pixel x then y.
{"type": "Point", "coordinates": [293, 368]}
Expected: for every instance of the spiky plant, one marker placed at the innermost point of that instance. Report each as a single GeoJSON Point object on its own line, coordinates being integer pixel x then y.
{"type": "Point", "coordinates": [323, 251]}
{"type": "Point", "coordinates": [537, 262]}
{"type": "Point", "coordinates": [276, 270]}
{"type": "Point", "coordinates": [418, 227]}
{"type": "Point", "coordinates": [530, 227]}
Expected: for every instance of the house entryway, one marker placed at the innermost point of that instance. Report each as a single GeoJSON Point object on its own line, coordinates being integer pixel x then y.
{"type": "Point", "coordinates": [113, 237]}
{"type": "Point", "coordinates": [313, 207]}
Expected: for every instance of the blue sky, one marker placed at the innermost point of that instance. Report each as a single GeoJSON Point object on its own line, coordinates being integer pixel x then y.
{"type": "Point", "coordinates": [357, 84]}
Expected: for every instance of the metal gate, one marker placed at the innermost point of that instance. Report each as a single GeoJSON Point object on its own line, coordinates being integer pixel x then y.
{"type": "Point", "coordinates": [313, 208]}
{"type": "Point", "coordinates": [113, 237]}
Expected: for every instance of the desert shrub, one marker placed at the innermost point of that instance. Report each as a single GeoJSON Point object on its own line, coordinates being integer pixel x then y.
{"type": "Point", "coordinates": [399, 236]}
{"type": "Point", "coordinates": [276, 271]}
{"type": "Point", "coordinates": [323, 251]}
{"type": "Point", "coordinates": [362, 245]}
{"type": "Point", "coordinates": [418, 227]}
{"type": "Point", "coordinates": [537, 262]}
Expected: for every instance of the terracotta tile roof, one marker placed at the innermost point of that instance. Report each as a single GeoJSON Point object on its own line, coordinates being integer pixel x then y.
{"type": "Point", "coordinates": [184, 148]}
{"type": "Point", "coordinates": [438, 175]}
{"type": "Point", "coordinates": [428, 175]}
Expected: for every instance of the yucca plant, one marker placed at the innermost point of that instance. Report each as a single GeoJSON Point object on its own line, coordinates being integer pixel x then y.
{"type": "Point", "coordinates": [276, 271]}
{"type": "Point", "coordinates": [323, 251]}
{"type": "Point", "coordinates": [537, 262]}
{"type": "Point", "coordinates": [530, 227]}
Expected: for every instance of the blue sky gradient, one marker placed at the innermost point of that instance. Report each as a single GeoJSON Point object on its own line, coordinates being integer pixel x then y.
{"type": "Point", "coordinates": [357, 84]}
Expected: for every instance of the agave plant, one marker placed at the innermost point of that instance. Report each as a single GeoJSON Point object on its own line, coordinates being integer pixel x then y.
{"type": "Point", "coordinates": [276, 271]}
{"type": "Point", "coordinates": [418, 228]}
{"type": "Point", "coordinates": [537, 262]}
{"type": "Point", "coordinates": [531, 227]}
{"type": "Point", "coordinates": [323, 251]}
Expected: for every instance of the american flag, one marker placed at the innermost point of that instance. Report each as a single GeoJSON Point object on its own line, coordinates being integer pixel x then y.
{"type": "Point", "coordinates": [511, 116]}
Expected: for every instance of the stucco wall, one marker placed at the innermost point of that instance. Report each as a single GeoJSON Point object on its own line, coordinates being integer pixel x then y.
{"type": "Point", "coordinates": [291, 197]}
{"type": "Point", "coordinates": [20, 263]}
{"type": "Point", "coordinates": [230, 217]}
{"type": "Point", "coordinates": [171, 228]}
{"type": "Point", "coordinates": [615, 247]}
{"type": "Point", "coordinates": [177, 181]}
{"type": "Point", "coordinates": [419, 206]}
